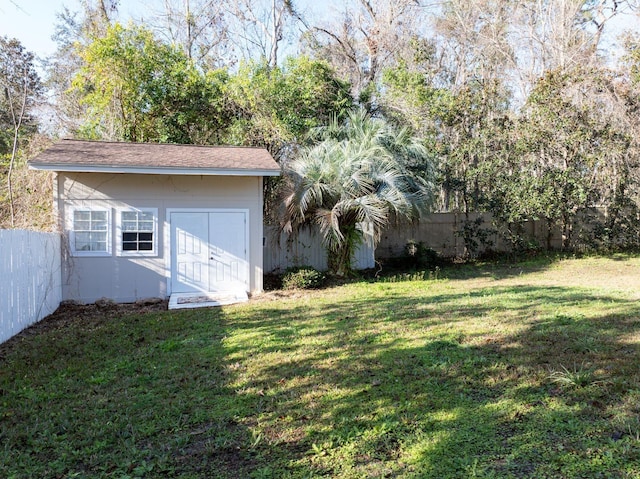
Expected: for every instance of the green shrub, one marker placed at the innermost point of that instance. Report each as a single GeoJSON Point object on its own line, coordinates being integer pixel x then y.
{"type": "Point", "coordinates": [302, 277]}
{"type": "Point", "coordinates": [419, 255]}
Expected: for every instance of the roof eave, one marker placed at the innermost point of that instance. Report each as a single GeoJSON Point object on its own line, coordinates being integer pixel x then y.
{"type": "Point", "coordinates": [155, 170]}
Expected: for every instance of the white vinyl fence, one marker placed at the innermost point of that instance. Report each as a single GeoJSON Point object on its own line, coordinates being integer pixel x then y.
{"type": "Point", "coordinates": [306, 249]}
{"type": "Point", "coordinates": [30, 279]}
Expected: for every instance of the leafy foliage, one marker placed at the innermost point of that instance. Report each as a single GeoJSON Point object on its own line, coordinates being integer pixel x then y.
{"type": "Point", "coordinates": [21, 92]}
{"type": "Point", "coordinates": [419, 255]}
{"type": "Point", "coordinates": [302, 277]}
{"type": "Point", "coordinates": [516, 111]}
{"type": "Point", "coordinates": [136, 88]}
{"type": "Point", "coordinates": [354, 178]}
{"type": "Point", "coordinates": [572, 151]}
{"type": "Point", "coordinates": [277, 107]}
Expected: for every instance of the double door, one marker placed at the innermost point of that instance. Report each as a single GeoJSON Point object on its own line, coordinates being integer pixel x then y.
{"type": "Point", "coordinates": [209, 251]}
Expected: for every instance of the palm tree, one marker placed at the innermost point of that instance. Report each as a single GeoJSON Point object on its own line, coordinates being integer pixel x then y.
{"type": "Point", "coordinates": [355, 175]}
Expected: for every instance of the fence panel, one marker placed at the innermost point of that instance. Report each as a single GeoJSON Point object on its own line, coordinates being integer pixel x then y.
{"type": "Point", "coordinates": [306, 249]}
{"type": "Point", "coordinates": [31, 281]}
{"type": "Point", "coordinates": [441, 232]}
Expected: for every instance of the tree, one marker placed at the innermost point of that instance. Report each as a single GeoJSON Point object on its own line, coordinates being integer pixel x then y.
{"type": "Point", "coordinates": [451, 89]}
{"type": "Point", "coordinates": [574, 148]}
{"type": "Point", "coordinates": [517, 42]}
{"type": "Point", "coordinates": [369, 36]}
{"type": "Point", "coordinates": [98, 15]}
{"type": "Point", "coordinates": [260, 27]}
{"type": "Point", "coordinates": [473, 38]}
{"type": "Point", "coordinates": [276, 107]}
{"type": "Point", "coordinates": [552, 35]}
{"type": "Point", "coordinates": [136, 88]}
{"type": "Point", "coordinates": [199, 28]}
{"type": "Point", "coordinates": [73, 32]}
{"type": "Point", "coordinates": [501, 89]}
{"type": "Point", "coordinates": [632, 58]}
{"type": "Point", "coordinates": [354, 177]}
{"type": "Point", "coordinates": [460, 123]}
{"type": "Point", "coordinates": [21, 90]}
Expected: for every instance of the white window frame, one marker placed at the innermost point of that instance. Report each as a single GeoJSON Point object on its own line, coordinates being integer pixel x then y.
{"type": "Point", "coordinates": [119, 232]}
{"type": "Point", "coordinates": [72, 232]}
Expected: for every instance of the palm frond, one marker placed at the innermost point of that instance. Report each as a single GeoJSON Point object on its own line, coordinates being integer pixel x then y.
{"type": "Point", "coordinates": [358, 173]}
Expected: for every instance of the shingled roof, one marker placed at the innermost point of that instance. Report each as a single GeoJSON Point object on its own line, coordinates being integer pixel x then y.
{"type": "Point", "coordinates": [155, 158]}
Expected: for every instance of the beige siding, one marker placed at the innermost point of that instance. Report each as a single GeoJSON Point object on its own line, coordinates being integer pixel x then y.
{"type": "Point", "coordinates": [126, 279]}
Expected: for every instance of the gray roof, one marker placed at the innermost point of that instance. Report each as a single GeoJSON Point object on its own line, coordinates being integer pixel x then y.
{"type": "Point", "coordinates": [155, 158]}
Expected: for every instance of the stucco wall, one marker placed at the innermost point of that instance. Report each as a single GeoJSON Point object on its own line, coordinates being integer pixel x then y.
{"type": "Point", "coordinates": [127, 279]}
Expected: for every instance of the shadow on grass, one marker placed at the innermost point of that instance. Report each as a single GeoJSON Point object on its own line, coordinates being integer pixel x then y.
{"type": "Point", "coordinates": [376, 380]}
{"type": "Point", "coordinates": [140, 395]}
{"type": "Point", "coordinates": [406, 386]}
{"type": "Point", "coordinates": [499, 269]}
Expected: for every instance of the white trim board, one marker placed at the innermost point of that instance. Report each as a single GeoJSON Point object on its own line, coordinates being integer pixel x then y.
{"type": "Point", "coordinates": [140, 170]}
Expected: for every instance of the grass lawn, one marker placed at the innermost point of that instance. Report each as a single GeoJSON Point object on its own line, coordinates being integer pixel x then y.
{"type": "Point", "coordinates": [494, 371]}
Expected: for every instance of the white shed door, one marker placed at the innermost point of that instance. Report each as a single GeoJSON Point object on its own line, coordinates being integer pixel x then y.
{"type": "Point", "coordinates": [210, 251]}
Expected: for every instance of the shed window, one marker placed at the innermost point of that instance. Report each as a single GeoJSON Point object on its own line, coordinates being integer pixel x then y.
{"type": "Point", "coordinates": [138, 232]}
{"type": "Point", "coordinates": [90, 231]}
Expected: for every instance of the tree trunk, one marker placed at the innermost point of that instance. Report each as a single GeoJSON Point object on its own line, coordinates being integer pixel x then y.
{"type": "Point", "coordinates": [17, 123]}
{"type": "Point", "coordinates": [9, 183]}
{"type": "Point", "coordinates": [339, 260]}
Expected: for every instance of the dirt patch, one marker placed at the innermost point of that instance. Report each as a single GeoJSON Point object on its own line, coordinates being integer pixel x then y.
{"type": "Point", "coordinates": [283, 294]}
{"type": "Point", "coordinates": [70, 313]}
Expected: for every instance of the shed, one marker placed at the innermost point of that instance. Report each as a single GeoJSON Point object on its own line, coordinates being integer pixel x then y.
{"type": "Point", "coordinates": [159, 220]}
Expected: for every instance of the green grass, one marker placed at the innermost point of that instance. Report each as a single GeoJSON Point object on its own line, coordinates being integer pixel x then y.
{"type": "Point", "coordinates": [492, 371]}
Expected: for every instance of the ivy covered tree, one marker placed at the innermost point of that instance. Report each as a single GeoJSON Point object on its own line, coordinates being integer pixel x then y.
{"type": "Point", "coordinates": [572, 149]}
{"type": "Point", "coordinates": [136, 88]}
{"type": "Point", "coordinates": [276, 107]}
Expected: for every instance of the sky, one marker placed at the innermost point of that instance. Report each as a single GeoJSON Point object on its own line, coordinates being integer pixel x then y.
{"type": "Point", "coordinates": [32, 21]}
